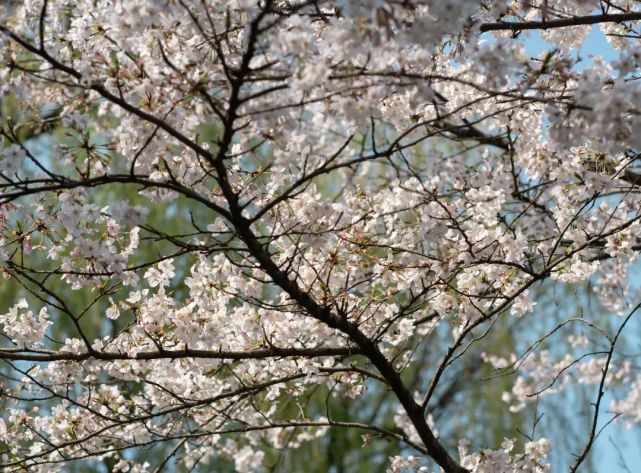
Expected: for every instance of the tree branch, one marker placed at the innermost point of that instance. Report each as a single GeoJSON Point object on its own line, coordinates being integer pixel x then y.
{"type": "Point", "coordinates": [561, 22]}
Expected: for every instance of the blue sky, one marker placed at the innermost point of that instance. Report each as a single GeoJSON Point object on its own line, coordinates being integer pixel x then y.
{"type": "Point", "coordinates": [595, 44]}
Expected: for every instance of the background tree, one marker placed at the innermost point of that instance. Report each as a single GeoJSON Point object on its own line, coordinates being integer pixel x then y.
{"type": "Point", "coordinates": [235, 229]}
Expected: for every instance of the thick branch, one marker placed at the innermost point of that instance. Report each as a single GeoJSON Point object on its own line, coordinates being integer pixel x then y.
{"type": "Point", "coordinates": [561, 22]}
{"type": "Point", "coordinates": [274, 352]}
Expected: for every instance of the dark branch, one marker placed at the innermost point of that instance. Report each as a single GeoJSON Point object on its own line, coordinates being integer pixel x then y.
{"type": "Point", "coordinates": [561, 22]}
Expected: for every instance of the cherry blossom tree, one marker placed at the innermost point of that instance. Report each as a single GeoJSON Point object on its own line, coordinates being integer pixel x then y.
{"type": "Point", "coordinates": [366, 191]}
